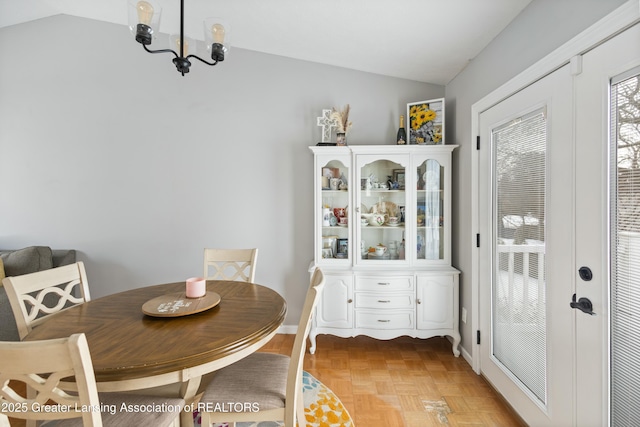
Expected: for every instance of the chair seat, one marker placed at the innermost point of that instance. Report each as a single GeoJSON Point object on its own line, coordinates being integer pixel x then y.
{"type": "Point", "coordinates": [273, 382]}
{"type": "Point", "coordinates": [259, 378]}
{"type": "Point", "coordinates": [138, 411]}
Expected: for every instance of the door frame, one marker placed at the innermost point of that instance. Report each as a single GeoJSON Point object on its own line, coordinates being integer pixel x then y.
{"type": "Point", "coordinates": [617, 21]}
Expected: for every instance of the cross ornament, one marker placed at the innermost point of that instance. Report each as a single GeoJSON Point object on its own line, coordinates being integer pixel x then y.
{"type": "Point", "coordinates": [327, 124]}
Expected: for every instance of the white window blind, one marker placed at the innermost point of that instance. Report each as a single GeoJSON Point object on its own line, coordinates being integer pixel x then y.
{"type": "Point", "coordinates": [518, 292]}
{"type": "Point", "coordinates": [625, 248]}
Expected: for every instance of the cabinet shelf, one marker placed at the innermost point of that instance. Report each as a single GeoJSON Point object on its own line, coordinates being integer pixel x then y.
{"type": "Point", "coordinates": [381, 190]}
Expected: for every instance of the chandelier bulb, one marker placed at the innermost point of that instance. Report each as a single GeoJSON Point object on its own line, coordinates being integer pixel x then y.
{"type": "Point", "coordinates": [184, 52]}
{"type": "Point", "coordinates": [218, 33]}
{"type": "Point", "coordinates": [145, 12]}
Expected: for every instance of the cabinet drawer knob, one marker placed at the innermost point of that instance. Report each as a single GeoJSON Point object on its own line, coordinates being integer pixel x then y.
{"type": "Point", "coordinates": [383, 321]}
{"type": "Point", "coordinates": [383, 283]}
{"type": "Point", "coordinates": [349, 301]}
{"type": "Point", "coordinates": [419, 301]}
{"type": "Point", "coordinates": [382, 300]}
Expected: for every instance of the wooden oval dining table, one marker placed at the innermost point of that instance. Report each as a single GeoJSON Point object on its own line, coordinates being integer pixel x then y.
{"type": "Point", "coordinates": [131, 350]}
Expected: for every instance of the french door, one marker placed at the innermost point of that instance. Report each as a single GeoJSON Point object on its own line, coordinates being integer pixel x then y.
{"type": "Point", "coordinates": [607, 170]}
{"type": "Point", "coordinates": [526, 211]}
{"type": "Point", "coordinates": [548, 174]}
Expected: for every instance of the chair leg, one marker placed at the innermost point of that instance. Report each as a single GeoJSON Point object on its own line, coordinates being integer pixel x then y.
{"type": "Point", "coordinates": [300, 411]}
{"type": "Point", "coordinates": [31, 394]}
{"type": "Point", "coordinates": [205, 421]}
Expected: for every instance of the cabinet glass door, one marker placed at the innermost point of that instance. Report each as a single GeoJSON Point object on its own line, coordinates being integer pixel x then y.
{"type": "Point", "coordinates": [334, 212]}
{"type": "Point", "coordinates": [430, 216]}
{"type": "Point", "coordinates": [382, 200]}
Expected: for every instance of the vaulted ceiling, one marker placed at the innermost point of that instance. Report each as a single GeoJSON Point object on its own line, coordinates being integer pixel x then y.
{"type": "Point", "coordinates": [423, 40]}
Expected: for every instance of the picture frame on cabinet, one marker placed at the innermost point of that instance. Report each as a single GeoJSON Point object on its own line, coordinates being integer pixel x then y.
{"type": "Point", "coordinates": [399, 177]}
{"type": "Point", "coordinates": [327, 253]}
{"type": "Point", "coordinates": [425, 122]}
{"type": "Point", "coordinates": [343, 248]}
{"type": "Point", "coordinates": [331, 172]}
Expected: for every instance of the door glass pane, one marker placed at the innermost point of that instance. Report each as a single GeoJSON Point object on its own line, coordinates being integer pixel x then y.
{"type": "Point", "coordinates": [335, 204]}
{"type": "Point", "coordinates": [625, 248]}
{"type": "Point", "coordinates": [430, 232]}
{"type": "Point", "coordinates": [383, 202]}
{"type": "Point", "coordinates": [518, 285]}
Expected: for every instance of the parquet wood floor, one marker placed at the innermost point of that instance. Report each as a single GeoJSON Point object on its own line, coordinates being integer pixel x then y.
{"type": "Point", "coordinates": [386, 383]}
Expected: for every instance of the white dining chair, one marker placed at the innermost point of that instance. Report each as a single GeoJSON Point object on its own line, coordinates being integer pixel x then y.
{"type": "Point", "coordinates": [272, 382]}
{"type": "Point", "coordinates": [42, 365]}
{"type": "Point", "coordinates": [230, 264]}
{"type": "Point", "coordinates": [34, 296]}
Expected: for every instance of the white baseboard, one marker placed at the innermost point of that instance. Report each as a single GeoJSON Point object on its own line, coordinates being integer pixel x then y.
{"type": "Point", "coordinates": [288, 329]}
{"type": "Point", "coordinates": [465, 354]}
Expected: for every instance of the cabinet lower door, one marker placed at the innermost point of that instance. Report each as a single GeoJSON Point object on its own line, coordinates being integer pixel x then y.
{"type": "Point", "coordinates": [435, 302]}
{"type": "Point", "coordinates": [335, 308]}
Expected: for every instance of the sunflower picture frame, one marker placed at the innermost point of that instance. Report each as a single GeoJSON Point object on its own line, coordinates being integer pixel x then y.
{"type": "Point", "coordinates": [425, 122]}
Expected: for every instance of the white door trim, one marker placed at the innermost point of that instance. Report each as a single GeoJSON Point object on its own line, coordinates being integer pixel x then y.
{"type": "Point", "coordinates": [612, 24]}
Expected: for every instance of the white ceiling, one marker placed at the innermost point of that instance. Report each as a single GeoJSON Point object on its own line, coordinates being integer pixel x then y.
{"type": "Point", "coordinates": [423, 40]}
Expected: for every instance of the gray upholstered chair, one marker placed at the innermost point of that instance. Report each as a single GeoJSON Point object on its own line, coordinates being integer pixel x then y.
{"type": "Point", "coordinates": [41, 365]}
{"type": "Point", "coordinates": [230, 264]}
{"type": "Point", "coordinates": [272, 381]}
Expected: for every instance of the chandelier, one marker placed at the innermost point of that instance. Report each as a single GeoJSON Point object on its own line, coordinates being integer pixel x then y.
{"type": "Point", "coordinates": [144, 23]}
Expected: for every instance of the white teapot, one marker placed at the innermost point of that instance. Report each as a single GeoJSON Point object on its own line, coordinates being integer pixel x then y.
{"type": "Point", "coordinates": [375, 219]}
{"type": "Point", "coordinates": [381, 250]}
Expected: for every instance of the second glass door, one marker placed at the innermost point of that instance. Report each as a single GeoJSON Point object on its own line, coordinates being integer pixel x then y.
{"type": "Point", "coordinates": [382, 206]}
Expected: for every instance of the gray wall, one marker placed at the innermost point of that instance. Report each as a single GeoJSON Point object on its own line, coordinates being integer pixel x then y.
{"type": "Point", "coordinates": [107, 149]}
{"type": "Point", "coordinates": [540, 28]}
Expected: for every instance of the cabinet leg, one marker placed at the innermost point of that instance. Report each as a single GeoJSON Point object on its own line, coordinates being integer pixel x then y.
{"type": "Point", "coordinates": [456, 344]}
{"type": "Point", "coordinates": [312, 339]}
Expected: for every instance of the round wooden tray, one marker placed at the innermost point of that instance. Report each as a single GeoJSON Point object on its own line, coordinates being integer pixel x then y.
{"type": "Point", "coordinates": [177, 304]}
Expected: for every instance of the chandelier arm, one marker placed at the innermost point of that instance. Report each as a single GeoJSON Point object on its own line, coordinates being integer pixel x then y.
{"type": "Point", "coordinates": [160, 51]}
{"type": "Point", "coordinates": [202, 60]}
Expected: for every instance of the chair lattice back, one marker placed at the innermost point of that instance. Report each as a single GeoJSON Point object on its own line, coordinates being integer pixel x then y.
{"type": "Point", "coordinates": [41, 365]}
{"type": "Point", "coordinates": [230, 264]}
{"type": "Point", "coordinates": [35, 296]}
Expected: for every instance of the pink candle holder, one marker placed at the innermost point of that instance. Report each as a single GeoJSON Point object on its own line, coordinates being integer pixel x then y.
{"type": "Point", "coordinates": [196, 287]}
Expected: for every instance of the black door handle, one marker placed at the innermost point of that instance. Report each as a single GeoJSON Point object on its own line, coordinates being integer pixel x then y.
{"type": "Point", "coordinates": [583, 304]}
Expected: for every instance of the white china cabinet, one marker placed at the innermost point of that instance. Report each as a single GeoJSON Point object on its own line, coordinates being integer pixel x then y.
{"type": "Point", "coordinates": [382, 227]}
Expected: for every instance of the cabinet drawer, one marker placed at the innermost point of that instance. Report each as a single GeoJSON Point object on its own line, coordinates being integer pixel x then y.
{"type": "Point", "coordinates": [380, 320]}
{"type": "Point", "coordinates": [384, 301]}
{"type": "Point", "coordinates": [402, 283]}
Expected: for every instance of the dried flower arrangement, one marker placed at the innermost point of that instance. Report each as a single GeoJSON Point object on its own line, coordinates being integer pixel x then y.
{"type": "Point", "coordinates": [342, 119]}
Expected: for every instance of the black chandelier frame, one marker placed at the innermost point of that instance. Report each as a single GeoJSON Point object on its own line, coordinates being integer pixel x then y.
{"type": "Point", "coordinates": [144, 34]}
